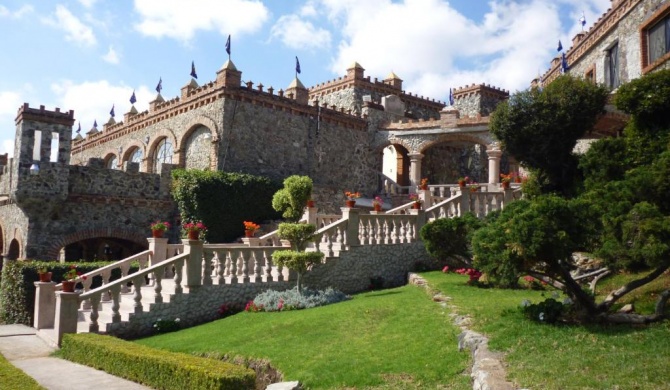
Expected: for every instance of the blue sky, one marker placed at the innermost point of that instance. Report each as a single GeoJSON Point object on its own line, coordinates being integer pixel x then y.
{"type": "Point", "coordinates": [87, 55]}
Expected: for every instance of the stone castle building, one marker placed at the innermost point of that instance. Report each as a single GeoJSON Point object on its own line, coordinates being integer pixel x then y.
{"type": "Point", "coordinates": [98, 197]}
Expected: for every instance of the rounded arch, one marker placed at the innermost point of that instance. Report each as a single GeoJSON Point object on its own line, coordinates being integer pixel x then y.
{"type": "Point", "coordinates": [197, 122]}
{"type": "Point", "coordinates": [449, 157]}
{"type": "Point", "coordinates": [463, 137]}
{"type": "Point", "coordinates": [131, 151]}
{"type": "Point", "coordinates": [111, 160]}
{"type": "Point", "coordinates": [14, 250]}
{"type": "Point", "coordinates": [164, 134]}
{"type": "Point", "coordinates": [137, 236]}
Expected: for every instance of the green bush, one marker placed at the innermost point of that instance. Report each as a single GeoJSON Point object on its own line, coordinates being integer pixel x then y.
{"type": "Point", "coordinates": [448, 237]}
{"type": "Point", "coordinates": [17, 288]}
{"type": "Point", "coordinates": [13, 378]}
{"type": "Point", "coordinates": [291, 199]}
{"type": "Point", "coordinates": [293, 299]}
{"type": "Point", "coordinates": [154, 368]}
{"type": "Point", "coordinates": [223, 200]}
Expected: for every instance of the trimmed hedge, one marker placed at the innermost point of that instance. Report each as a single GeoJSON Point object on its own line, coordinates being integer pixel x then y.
{"type": "Point", "coordinates": [13, 378]}
{"type": "Point", "coordinates": [155, 368]}
{"type": "Point", "coordinates": [223, 200]}
{"type": "Point", "coordinates": [17, 289]}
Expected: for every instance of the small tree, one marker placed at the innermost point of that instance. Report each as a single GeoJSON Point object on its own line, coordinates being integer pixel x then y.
{"type": "Point", "coordinates": [291, 199]}
{"type": "Point", "coordinates": [448, 237]}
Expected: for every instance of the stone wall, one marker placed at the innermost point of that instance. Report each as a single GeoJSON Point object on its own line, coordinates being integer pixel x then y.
{"type": "Point", "coordinates": [445, 163]}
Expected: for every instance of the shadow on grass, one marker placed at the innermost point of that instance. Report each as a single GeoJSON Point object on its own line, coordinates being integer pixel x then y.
{"type": "Point", "coordinates": [381, 293]}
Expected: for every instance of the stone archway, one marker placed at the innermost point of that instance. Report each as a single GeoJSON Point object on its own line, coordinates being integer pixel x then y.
{"type": "Point", "coordinates": [93, 238]}
{"type": "Point", "coordinates": [14, 250]}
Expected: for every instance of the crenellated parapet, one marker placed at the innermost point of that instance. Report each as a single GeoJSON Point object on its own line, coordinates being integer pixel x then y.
{"type": "Point", "coordinates": [449, 119]}
{"type": "Point", "coordinates": [478, 100]}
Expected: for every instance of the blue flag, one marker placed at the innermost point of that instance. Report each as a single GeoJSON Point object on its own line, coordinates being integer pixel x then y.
{"type": "Point", "coordinates": [159, 87]}
{"type": "Point", "coordinates": [582, 20]}
{"type": "Point", "coordinates": [111, 112]}
{"type": "Point", "coordinates": [564, 64]}
{"type": "Point", "coordinates": [79, 128]}
{"type": "Point", "coordinates": [228, 45]}
{"type": "Point", "coordinates": [95, 124]}
{"type": "Point", "coordinates": [193, 74]}
{"type": "Point", "coordinates": [560, 46]}
{"type": "Point", "coordinates": [451, 97]}
{"type": "Point", "coordinates": [133, 99]}
{"type": "Point", "coordinates": [297, 65]}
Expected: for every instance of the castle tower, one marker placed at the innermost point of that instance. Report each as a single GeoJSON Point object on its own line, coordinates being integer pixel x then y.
{"type": "Point", "coordinates": [45, 125]}
{"type": "Point", "coordinates": [228, 76]}
{"type": "Point", "coordinates": [393, 80]}
{"type": "Point", "coordinates": [356, 71]}
{"type": "Point", "coordinates": [300, 93]}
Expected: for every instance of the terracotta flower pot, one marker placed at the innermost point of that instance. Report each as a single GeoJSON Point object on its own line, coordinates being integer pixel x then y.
{"type": "Point", "coordinates": [461, 183]}
{"type": "Point", "coordinates": [424, 187]}
{"type": "Point", "coordinates": [45, 277]}
{"type": "Point", "coordinates": [249, 233]}
{"type": "Point", "coordinates": [68, 286]}
{"type": "Point", "coordinates": [157, 233]}
{"type": "Point", "coordinates": [505, 185]}
{"type": "Point", "coordinates": [193, 234]}
{"type": "Point", "coordinates": [350, 203]}
{"type": "Point", "coordinates": [310, 203]}
{"type": "Point", "coordinates": [377, 207]}
{"type": "Point", "coordinates": [416, 206]}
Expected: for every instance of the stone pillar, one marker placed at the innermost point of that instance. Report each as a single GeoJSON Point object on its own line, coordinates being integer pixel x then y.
{"type": "Point", "coordinates": [353, 215]}
{"type": "Point", "coordinates": [494, 154]}
{"type": "Point", "coordinates": [426, 198]}
{"type": "Point", "coordinates": [415, 168]}
{"type": "Point", "coordinates": [251, 241]}
{"type": "Point", "coordinates": [67, 307]}
{"type": "Point", "coordinates": [310, 215]}
{"type": "Point", "coordinates": [193, 263]}
{"type": "Point", "coordinates": [420, 220]}
{"type": "Point", "coordinates": [465, 201]}
{"type": "Point", "coordinates": [45, 305]}
{"type": "Point", "coordinates": [158, 248]}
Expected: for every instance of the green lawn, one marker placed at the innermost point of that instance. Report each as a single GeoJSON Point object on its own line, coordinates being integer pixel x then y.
{"type": "Point", "coordinates": [13, 378]}
{"type": "Point", "coordinates": [563, 357]}
{"type": "Point", "coordinates": [391, 339]}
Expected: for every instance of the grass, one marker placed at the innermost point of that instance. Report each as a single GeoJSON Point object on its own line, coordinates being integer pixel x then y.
{"type": "Point", "coordinates": [542, 356]}
{"type": "Point", "coordinates": [13, 378]}
{"type": "Point", "coordinates": [391, 339]}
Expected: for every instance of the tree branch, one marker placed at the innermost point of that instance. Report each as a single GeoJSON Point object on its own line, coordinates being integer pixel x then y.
{"type": "Point", "coordinates": [615, 295]}
{"type": "Point", "coordinates": [595, 280]}
{"type": "Point", "coordinates": [632, 318]}
{"type": "Point", "coordinates": [547, 279]}
{"type": "Point", "coordinates": [594, 273]}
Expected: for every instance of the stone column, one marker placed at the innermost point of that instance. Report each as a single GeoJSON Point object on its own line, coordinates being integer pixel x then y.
{"type": "Point", "coordinates": [45, 305]}
{"type": "Point", "coordinates": [67, 307]}
{"type": "Point", "coordinates": [420, 221]}
{"type": "Point", "coordinates": [415, 168]}
{"type": "Point", "coordinates": [465, 201]}
{"type": "Point", "coordinates": [494, 154]}
{"type": "Point", "coordinates": [353, 215]}
{"type": "Point", "coordinates": [426, 197]}
{"type": "Point", "coordinates": [158, 248]}
{"type": "Point", "coordinates": [251, 241]}
{"type": "Point", "coordinates": [193, 263]}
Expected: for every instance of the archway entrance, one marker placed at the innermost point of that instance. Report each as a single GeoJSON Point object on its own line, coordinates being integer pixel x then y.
{"type": "Point", "coordinates": [100, 249]}
{"type": "Point", "coordinates": [446, 162]}
{"type": "Point", "coordinates": [14, 250]}
{"type": "Point", "coordinates": [396, 164]}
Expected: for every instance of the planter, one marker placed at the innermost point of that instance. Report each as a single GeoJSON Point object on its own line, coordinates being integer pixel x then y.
{"type": "Point", "coordinates": [157, 233]}
{"type": "Point", "coordinates": [377, 207]}
{"type": "Point", "coordinates": [351, 203]}
{"type": "Point", "coordinates": [249, 233]}
{"type": "Point", "coordinates": [517, 180]}
{"type": "Point", "coordinates": [193, 234]}
{"type": "Point", "coordinates": [424, 187]}
{"type": "Point", "coordinates": [416, 206]}
{"type": "Point", "coordinates": [310, 203]}
{"type": "Point", "coordinates": [505, 185]}
{"type": "Point", "coordinates": [461, 183]}
{"type": "Point", "coordinates": [68, 286]}
{"type": "Point", "coordinates": [45, 277]}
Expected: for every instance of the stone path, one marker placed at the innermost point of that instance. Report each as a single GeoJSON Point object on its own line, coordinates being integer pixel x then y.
{"type": "Point", "coordinates": [20, 345]}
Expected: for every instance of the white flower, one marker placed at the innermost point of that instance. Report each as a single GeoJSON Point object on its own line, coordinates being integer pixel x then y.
{"type": "Point", "coordinates": [554, 295]}
{"type": "Point", "coordinates": [567, 301]}
{"type": "Point", "coordinates": [541, 316]}
{"type": "Point", "coordinates": [525, 303]}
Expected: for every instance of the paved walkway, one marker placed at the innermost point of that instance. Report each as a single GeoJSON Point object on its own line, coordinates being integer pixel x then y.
{"type": "Point", "coordinates": [20, 345]}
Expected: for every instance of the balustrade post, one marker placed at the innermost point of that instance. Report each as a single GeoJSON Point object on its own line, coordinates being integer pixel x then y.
{"type": "Point", "coordinates": [465, 201]}
{"type": "Point", "coordinates": [193, 262]}
{"type": "Point", "coordinates": [251, 241]}
{"type": "Point", "coordinates": [508, 197]}
{"type": "Point", "coordinates": [310, 215]}
{"type": "Point", "coordinates": [494, 153]}
{"type": "Point", "coordinates": [420, 221]}
{"type": "Point", "coordinates": [67, 307]}
{"type": "Point", "coordinates": [352, 214]}
{"type": "Point", "coordinates": [158, 251]}
{"type": "Point", "coordinates": [426, 198]}
{"type": "Point", "coordinates": [45, 305]}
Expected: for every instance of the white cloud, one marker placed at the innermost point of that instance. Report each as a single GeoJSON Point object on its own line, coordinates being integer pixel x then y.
{"type": "Point", "coordinates": [18, 14]}
{"type": "Point", "coordinates": [92, 101]}
{"type": "Point", "coordinates": [180, 20]}
{"type": "Point", "coordinates": [111, 56]}
{"type": "Point", "coordinates": [87, 3]}
{"type": "Point", "coordinates": [299, 34]}
{"type": "Point", "coordinates": [308, 9]}
{"type": "Point", "coordinates": [440, 47]}
{"type": "Point", "coordinates": [10, 102]}
{"type": "Point", "coordinates": [75, 30]}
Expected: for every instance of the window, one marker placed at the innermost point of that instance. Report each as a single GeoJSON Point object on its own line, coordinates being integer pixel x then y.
{"type": "Point", "coordinates": [612, 66]}
{"type": "Point", "coordinates": [163, 154]}
{"type": "Point", "coordinates": [112, 162]}
{"type": "Point", "coordinates": [658, 40]}
{"type": "Point", "coordinates": [136, 156]}
{"type": "Point", "coordinates": [590, 74]}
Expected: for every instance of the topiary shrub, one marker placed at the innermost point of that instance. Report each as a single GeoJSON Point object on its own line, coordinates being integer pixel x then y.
{"type": "Point", "coordinates": [293, 299]}
{"type": "Point", "coordinates": [445, 238]}
{"type": "Point", "coordinates": [291, 199]}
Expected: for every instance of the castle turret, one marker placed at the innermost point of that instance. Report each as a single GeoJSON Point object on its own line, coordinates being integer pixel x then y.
{"type": "Point", "coordinates": [393, 80]}
{"type": "Point", "coordinates": [356, 71]}
{"type": "Point", "coordinates": [228, 76]}
{"type": "Point", "coordinates": [298, 91]}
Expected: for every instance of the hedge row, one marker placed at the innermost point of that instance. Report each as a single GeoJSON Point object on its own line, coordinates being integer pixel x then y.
{"type": "Point", "coordinates": [17, 289]}
{"type": "Point", "coordinates": [13, 378]}
{"type": "Point", "coordinates": [157, 369]}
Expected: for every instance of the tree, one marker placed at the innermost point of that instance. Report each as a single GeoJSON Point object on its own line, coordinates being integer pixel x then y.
{"type": "Point", "coordinates": [291, 199]}
{"type": "Point", "coordinates": [448, 237]}
{"type": "Point", "coordinates": [540, 128]}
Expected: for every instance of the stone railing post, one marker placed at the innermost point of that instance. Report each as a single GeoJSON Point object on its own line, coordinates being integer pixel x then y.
{"type": "Point", "coordinates": [420, 215]}
{"type": "Point", "coordinates": [251, 241]}
{"type": "Point", "coordinates": [310, 215]}
{"type": "Point", "coordinates": [352, 214]}
{"type": "Point", "coordinates": [465, 200]}
{"type": "Point", "coordinates": [67, 307]}
{"type": "Point", "coordinates": [158, 248]}
{"type": "Point", "coordinates": [45, 305]}
{"type": "Point", "coordinates": [426, 198]}
{"type": "Point", "coordinates": [509, 196]}
{"type": "Point", "coordinates": [193, 262]}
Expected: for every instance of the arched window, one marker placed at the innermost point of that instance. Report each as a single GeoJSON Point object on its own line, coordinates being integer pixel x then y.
{"type": "Point", "coordinates": [136, 156]}
{"type": "Point", "coordinates": [112, 162]}
{"type": "Point", "coordinates": [163, 154]}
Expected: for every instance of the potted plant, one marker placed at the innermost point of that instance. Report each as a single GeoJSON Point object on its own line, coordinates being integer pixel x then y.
{"type": "Point", "coordinates": [377, 203]}
{"type": "Point", "coordinates": [462, 181]}
{"type": "Point", "coordinates": [474, 186]}
{"type": "Point", "coordinates": [194, 230]}
{"type": "Point", "coordinates": [505, 180]}
{"type": "Point", "coordinates": [70, 278]}
{"type": "Point", "coordinates": [250, 228]}
{"type": "Point", "coordinates": [158, 228]}
{"type": "Point", "coordinates": [424, 184]}
{"type": "Point", "coordinates": [310, 203]}
{"type": "Point", "coordinates": [351, 198]}
{"type": "Point", "coordinates": [417, 201]}
{"type": "Point", "coordinates": [45, 275]}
